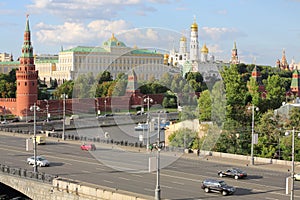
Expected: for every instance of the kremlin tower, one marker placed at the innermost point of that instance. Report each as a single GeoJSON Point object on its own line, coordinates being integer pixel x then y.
{"type": "Point", "coordinates": [27, 77]}
{"type": "Point", "coordinates": [194, 43]}
{"type": "Point", "coordinates": [234, 55]}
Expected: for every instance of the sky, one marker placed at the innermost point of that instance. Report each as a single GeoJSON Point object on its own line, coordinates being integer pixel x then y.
{"type": "Point", "coordinates": [262, 29]}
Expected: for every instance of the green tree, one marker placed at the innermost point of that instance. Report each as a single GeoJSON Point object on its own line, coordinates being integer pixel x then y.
{"type": "Point", "coordinates": [204, 104]}
{"type": "Point", "coordinates": [275, 91]}
{"type": "Point", "coordinates": [183, 138]}
{"type": "Point", "coordinates": [104, 77]}
{"type": "Point", "coordinates": [253, 88]}
{"type": "Point", "coordinates": [65, 88]}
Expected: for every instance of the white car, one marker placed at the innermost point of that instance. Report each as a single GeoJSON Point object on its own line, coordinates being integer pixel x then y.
{"type": "Point", "coordinates": [297, 177]}
{"type": "Point", "coordinates": [4, 122]}
{"type": "Point", "coordinates": [40, 161]}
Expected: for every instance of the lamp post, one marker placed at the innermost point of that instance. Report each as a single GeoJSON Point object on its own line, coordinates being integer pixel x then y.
{"type": "Point", "coordinates": [4, 114]}
{"type": "Point", "coordinates": [148, 100]}
{"type": "Point", "coordinates": [34, 108]}
{"type": "Point", "coordinates": [97, 107]}
{"type": "Point", "coordinates": [47, 109]}
{"type": "Point", "coordinates": [105, 106]}
{"type": "Point", "coordinates": [159, 146]}
{"type": "Point", "coordinates": [157, 188]}
{"type": "Point", "coordinates": [253, 108]}
{"type": "Point", "coordinates": [64, 96]}
{"type": "Point", "coordinates": [293, 159]}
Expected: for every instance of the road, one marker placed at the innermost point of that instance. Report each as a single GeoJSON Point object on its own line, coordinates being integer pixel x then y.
{"type": "Point", "coordinates": [109, 166]}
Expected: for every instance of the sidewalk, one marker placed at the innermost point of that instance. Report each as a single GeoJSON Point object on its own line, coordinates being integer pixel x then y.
{"type": "Point", "coordinates": [242, 163]}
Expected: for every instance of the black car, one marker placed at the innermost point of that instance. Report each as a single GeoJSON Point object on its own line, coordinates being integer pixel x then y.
{"type": "Point", "coordinates": [233, 173]}
{"type": "Point", "coordinates": [213, 185]}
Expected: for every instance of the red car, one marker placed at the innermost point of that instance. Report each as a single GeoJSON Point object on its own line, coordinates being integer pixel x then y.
{"type": "Point", "coordinates": [88, 147]}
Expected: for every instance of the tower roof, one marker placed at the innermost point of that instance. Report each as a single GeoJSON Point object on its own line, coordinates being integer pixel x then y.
{"type": "Point", "coordinates": [183, 38]}
{"type": "Point", "coordinates": [194, 26]}
{"type": "Point", "coordinates": [234, 45]}
{"type": "Point", "coordinates": [27, 29]}
{"type": "Point", "coordinates": [113, 42]}
{"type": "Point", "coordinates": [204, 49]}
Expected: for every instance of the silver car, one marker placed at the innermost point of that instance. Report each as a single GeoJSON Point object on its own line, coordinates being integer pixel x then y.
{"type": "Point", "coordinates": [40, 161]}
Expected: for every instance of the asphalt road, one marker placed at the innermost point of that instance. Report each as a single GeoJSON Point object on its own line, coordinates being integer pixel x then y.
{"type": "Point", "coordinates": [179, 179]}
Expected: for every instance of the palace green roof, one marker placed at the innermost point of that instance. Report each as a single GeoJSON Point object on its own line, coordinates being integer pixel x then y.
{"type": "Point", "coordinates": [113, 42]}
{"type": "Point", "coordinates": [10, 63]}
{"type": "Point", "coordinates": [46, 61]}
{"type": "Point", "coordinates": [85, 49]}
{"type": "Point", "coordinates": [143, 51]}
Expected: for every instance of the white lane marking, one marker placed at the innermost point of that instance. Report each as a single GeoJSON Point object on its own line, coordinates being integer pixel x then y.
{"type": "Point", "coordinates": [137, 175]}
{"type": "Point", "coordinates": [108, 181]}
{"type": "Point", "coordinates": [165, 186]}
{"type": "Point", "coordinates": [124, 178]}
{"type": "Point", "coordinates": [271, 198]}
{"type": "Point", "coordinates": [178, 183]}
{"type": "Point", "coordinates": [84, 171]}
{"type": "Point", "coordinates": [100, 168]}
{"type": "Point", "coordinates": [147, 189]}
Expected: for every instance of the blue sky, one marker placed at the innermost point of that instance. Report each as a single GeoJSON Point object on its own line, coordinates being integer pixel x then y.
{"type": "Point", "coordinates": [261, 28]}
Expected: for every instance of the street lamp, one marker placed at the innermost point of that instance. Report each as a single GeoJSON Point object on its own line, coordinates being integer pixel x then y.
{"type": "Point", "coordinates": [293, 159]}
{"type": "Point", "coordinates": [148, 100]}
{"type": "Point", "coordinates": [252, 133]}
{"type": "Point", "coordinates": [64, 96]}
{"type": "Point", "coordinates": [47, 109]}
{"type": "Point", "coordinates": [105, 106]}
{"type": "Point", "coordinates": [4, 114]}
{"type": "Point", "coordinates": [97, 107]}
{"type": "Point", "coordinates": [34, 108]}
{"type": "Point", "coordinates": [159, 146]}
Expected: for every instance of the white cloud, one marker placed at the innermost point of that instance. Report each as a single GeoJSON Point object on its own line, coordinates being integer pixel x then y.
{"type": "Point", "coordinates": [71, 33]}
{"type": "Point", "coordinates": [223, 33]}
{"type": "Point", "coordinates": [87, 9]}
{"type": "Point", "coordinates": [215, 48]}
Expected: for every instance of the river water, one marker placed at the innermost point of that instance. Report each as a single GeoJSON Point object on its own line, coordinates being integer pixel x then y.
{"type": "Point", "coordinates": [8, 193]}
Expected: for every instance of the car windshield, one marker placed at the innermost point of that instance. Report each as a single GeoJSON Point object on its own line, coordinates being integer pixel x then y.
{"type": "Point", "coordinates": [238, 170]}
{"type": "Point", "coordinates": [41, 158]}
{"type": "Point", "coordinates": [222, 183]}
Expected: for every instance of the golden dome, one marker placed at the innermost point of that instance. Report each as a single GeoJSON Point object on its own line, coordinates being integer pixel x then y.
{"type": "Point", "coordinates": [194, 26]}
{"type": "Point", "coordinates": [183, 38]}
{"type": "Point", "coordinates": [204, 49]}
{"type": "Point", "coordinates": [113, 37]}
{"type": "Point", "coordinates": [166, 56]}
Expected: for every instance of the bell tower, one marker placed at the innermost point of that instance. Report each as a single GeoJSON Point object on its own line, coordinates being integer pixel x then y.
{"type": "Point", "coordinates": [27, 76]}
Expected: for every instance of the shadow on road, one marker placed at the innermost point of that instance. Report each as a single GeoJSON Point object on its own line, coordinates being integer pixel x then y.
{"type": "Point", "coordinates": [56, 164]}
{"type": "Point", "coordinates": [254, 177]}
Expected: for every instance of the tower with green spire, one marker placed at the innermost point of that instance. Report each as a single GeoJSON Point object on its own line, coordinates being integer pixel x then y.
{"type": "Point", "coordinates": [27, 76]}
{"type": "Point", "coordinates": [295, 84]}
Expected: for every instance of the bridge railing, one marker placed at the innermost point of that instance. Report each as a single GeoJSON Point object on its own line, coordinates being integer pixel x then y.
{"type": "Point", "coordinates": [36, 176]}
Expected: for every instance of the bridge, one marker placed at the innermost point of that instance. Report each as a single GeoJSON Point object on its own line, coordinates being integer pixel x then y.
{"type": "Point", "coordinates": [48, 187]}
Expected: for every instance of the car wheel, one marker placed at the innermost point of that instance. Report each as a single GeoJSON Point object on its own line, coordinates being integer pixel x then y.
{"type": "Point", "coordinates": [221, 175]}
{"type": "Point", "coordinates": [40, 165]}
{"type": "Point", "coordinates": [206, 190]}
{"type": "Point", "coordinates": [224, 193]}
{"type": "Point", "coordinates": [236, 177]}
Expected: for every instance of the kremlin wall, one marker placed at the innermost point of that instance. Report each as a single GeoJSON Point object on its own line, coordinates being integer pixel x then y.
{"type": "Point", "coordinates": [183, 60]}
{"type": "Point", "coordinates": [27, 93]}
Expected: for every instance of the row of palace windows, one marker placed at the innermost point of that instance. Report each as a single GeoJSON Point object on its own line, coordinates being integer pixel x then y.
{"type": "Point", "coordinates": [84, 59]}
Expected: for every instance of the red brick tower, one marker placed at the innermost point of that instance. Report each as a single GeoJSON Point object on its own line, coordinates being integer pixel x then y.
{"type": "Point", "coordinates": [27, 76]}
